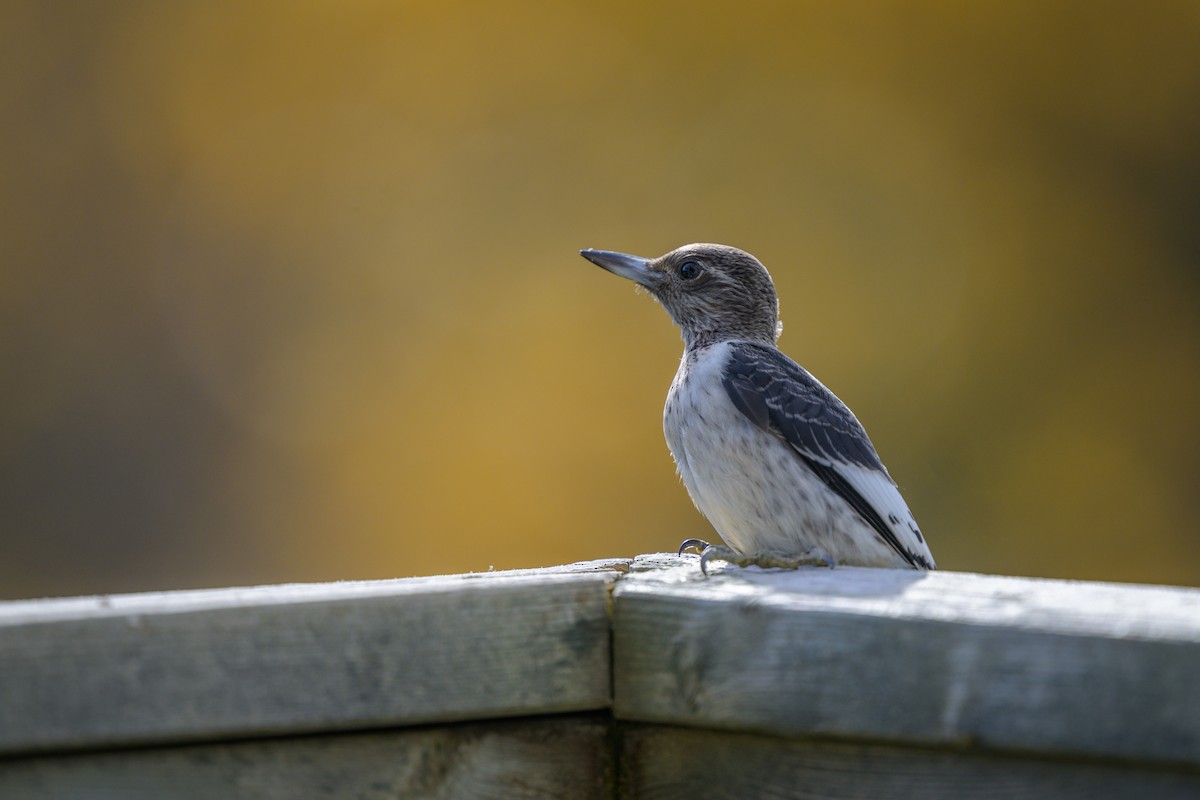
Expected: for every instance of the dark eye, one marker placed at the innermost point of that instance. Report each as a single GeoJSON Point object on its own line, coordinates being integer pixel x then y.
{"type": "Point", "coordinates": [690, 270]}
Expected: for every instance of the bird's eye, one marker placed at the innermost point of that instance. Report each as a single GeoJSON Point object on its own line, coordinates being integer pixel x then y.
{"type": "Point", "coordinates": [690, 270]}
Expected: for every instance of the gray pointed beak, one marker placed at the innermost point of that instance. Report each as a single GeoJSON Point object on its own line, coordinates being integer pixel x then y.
{"type": "Point", "coordinates": [635, 268]}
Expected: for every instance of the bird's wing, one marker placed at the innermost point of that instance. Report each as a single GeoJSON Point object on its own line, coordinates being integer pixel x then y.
{"type": "Point", "coordinates": [781, 397]}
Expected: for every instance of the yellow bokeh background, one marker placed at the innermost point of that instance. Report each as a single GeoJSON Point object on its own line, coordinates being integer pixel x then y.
{"type": "Point", "coordinates": [290, 291]}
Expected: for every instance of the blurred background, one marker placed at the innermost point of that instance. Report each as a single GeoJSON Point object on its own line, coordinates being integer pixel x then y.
{"type": "Point", "coordinates": [291, 292]}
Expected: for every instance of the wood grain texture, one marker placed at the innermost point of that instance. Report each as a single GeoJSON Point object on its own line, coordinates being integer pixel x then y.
{"type": "Point", "coordinates": [663, 763]}
{"type": "Point", "coordinates": [1052, 667]}
{"type": "Point", "coordinates": [537, 759]}
{"type": "Point", "coordinates": [177, 666]}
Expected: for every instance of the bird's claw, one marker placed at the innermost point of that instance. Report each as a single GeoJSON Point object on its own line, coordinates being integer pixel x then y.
{"type": "Point", "coordinates": [695, 545]}
{"type": "Point", "coordinates": [719, 552]}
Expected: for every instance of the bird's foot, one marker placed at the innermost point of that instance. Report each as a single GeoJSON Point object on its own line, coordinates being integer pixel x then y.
{"type": "Point", "coordinates": [695, 545]}
{"type": "Point", "coordinates": [765, 559]}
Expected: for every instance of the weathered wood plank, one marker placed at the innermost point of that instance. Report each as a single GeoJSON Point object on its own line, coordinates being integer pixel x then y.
{"type": "Point", "coordinates": [526, 760]}
{"type": "Point", "coordinates": [176, 666]}
{"type": "Point", "coordinates": [938, 658]}
{"type": "Point", "coordinates": [662, 763]}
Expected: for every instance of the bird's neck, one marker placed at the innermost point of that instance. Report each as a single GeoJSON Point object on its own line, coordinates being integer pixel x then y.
{"type": "Point", "coordinates": [695, 340]}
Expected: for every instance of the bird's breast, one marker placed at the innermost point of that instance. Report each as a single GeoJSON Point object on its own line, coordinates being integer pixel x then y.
{"type": "Point", "coordinates": [716, 449]}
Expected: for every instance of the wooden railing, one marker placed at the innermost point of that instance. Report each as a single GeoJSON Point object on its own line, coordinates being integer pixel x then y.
{"type": "Point", "coordinates": [608, 679]}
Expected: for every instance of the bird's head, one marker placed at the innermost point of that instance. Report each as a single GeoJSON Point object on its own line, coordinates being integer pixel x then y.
{"type": "Point", "coordinates": [713, 292]}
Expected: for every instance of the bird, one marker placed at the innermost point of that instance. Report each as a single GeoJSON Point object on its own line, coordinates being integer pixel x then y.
{"type": "Point", "coordinates": [780, 467]}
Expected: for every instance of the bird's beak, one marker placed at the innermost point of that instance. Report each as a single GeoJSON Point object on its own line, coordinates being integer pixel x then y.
{"type": "Point", "coordinates": [635, 268]}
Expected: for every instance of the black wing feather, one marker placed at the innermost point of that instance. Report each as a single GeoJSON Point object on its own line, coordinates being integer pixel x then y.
{"type": "Point", "coordinates": [776, 392]}
{"type": "Point", "coordinates": [780, 396]}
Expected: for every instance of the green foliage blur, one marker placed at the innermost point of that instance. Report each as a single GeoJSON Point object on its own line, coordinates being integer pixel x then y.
{"type": "Point", "coordinates": [291, 292]}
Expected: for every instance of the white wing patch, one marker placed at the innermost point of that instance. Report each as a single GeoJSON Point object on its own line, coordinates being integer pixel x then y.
{"type": "Point", "coordinates": [878, 490]}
